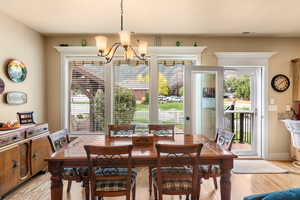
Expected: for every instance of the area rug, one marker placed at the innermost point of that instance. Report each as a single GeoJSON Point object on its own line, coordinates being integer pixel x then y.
{"type": "Point", "coordinates": [256, 167]}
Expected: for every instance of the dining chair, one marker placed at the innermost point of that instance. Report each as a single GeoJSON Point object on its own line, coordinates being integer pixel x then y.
{"type": "Point", "coordinates": [224, 139]}
{"type": "Point", "coordinates": [159, 130]}
{"type": "Point", "coordinates": [177, 171]}
{"type": "Point", "coordinates": [121, 130]}
{"type": "Point", "coordinates": [110, 171]}
{"type": "Point", "coordinates": [58, 140]}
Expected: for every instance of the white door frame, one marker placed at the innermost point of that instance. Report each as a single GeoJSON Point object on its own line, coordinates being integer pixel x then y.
{"type": "Point", "coordinates": [253, 59]}
{"type": "Point", "coordinates": [256, 100]}
{"type": "Point", "coordinates": [189, 96]}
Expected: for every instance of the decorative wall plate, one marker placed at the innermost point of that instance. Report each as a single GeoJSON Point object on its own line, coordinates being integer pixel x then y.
{"type": "Point", "coordinates": [16, 98]}
{"type": "Point", "coordinates": [2, 86]}
{"type": "Point", "coordinates": [17, 71]}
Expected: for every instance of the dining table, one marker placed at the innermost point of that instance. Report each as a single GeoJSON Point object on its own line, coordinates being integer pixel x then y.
{"type": "Point", "coordinates": [73, 155]}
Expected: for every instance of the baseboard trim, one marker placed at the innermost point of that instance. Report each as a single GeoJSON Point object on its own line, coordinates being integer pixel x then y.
{"type": "Point", "coordinates": [279, 156]}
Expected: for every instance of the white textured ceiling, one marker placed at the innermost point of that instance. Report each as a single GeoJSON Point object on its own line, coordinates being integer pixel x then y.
{"type": "Point", "coordinates": [220, 17]}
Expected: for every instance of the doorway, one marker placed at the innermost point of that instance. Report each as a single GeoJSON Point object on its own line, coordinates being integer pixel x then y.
{"type": "Point", "coordinates": [243, 105]}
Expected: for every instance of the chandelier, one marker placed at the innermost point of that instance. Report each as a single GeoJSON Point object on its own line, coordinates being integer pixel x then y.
{"type": "Point", "coordinates": [129, 52]}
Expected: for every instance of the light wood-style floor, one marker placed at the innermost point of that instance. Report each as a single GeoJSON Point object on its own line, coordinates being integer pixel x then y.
{"type": "Point", "coordinates": [39, 187]}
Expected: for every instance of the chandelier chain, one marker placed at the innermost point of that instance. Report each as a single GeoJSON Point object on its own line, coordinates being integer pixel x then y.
{"type": "Point", "coordinates": [122, 11]}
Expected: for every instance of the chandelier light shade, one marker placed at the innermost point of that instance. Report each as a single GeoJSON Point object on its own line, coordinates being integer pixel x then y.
{"type": "Point", "coordinates": [125, 42]}
{"type": "Point", "coordinates": [143, 47]}
{"type": "Point", "coordinates": [101, 43]}
{"type": "Point", "coordinates": [124, 38]}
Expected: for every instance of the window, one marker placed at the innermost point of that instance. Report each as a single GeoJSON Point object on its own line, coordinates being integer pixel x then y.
{"type": "Point", "coordinates": [87, 91]}
{"type": "Point", "coordinates": [119, 93]}
{"type": "Point", "coordinates": [131, 95]}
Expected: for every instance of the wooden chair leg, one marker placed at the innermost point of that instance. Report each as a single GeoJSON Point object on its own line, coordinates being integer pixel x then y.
{"type": "Point", "coordinates": [69, 186]}
{"type": "Point", "coordinates": [133, 192]}
{"type": "Point", "coordinates": [150, 181]}
{"type": "Point", "coordinates": [87, 189]}
{"type": "Point", "coordinates": [160, 196]}
{"type": "Point", "coordinates": [128, 196]}
{"type": "Point", "coordinates": [215, 182]}
{"type": "Point", "coordinates": [155, 193]}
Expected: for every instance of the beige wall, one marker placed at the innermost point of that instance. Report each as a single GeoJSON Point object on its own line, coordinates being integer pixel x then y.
{"type": "Point", "coordinates": [286, 49]}
{"type": "Point", "coordinates": [20, 42]}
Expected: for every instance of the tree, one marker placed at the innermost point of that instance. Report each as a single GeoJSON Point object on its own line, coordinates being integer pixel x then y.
{"type": "Point", "coordinates": [239, 86]}
{"type": "Point", "coordinates": [162, 80]}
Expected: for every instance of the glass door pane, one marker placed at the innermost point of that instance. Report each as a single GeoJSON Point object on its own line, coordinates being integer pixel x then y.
{"type": "Point", "coordinates": [170, 98]}
{"type": "Point", "coordinates": [131, 95]}
{"type": "Point", "coordinates": [204, 99]}
{"type": "Point", "coordinates": [205, 103]}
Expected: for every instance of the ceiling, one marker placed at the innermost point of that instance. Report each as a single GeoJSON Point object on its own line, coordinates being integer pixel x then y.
{"type": "Point", "coordinates": [207, 17]}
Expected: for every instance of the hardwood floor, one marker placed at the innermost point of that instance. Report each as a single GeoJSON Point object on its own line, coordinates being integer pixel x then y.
{"type": "Point", "coordinates": [39, 187]}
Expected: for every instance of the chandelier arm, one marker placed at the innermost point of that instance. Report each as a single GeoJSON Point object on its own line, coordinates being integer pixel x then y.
{"type": "Point", "coordinates": [138, 56]}
{"type": "Point", "coordinates": [110, 49]}
{"type": "Point", "coordinates": [114, 49]}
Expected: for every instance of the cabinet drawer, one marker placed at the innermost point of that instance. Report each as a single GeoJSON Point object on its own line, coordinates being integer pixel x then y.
{"type": "Point", "coordinates": [12, 138]}
{"type": "Point", "coordinates": [37, 130]}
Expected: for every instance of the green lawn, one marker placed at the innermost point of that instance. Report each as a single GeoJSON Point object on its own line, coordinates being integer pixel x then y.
{"type": "Point", "coordinates": [165, 106]}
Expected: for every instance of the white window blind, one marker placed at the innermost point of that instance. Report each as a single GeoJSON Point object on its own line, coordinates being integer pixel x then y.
{"type": "Point", "coordinates": [87, 97]}
{"type": "Point", "coordinates": [131, 95]}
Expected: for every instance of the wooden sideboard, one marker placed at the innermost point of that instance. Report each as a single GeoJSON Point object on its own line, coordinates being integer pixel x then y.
{"type": "Point", "coordinates": [22, 154]}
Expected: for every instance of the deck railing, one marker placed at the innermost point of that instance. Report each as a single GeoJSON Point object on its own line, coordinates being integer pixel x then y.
{"type": "Point", "coordinates": [240, 123]}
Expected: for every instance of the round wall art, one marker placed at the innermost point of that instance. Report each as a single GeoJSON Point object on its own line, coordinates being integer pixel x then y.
{"type": "Point", "coordinates": [16, 71]}
{"type": "Point", "coordinates": [2, 86]}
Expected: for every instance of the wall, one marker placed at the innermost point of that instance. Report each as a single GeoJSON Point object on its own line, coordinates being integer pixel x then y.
{"type": "Point", "coordinates": [286, 48]}
{"type": "Point", "coordinates": [22, 43]}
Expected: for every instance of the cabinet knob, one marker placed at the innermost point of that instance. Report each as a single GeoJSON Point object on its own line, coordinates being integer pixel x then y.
{"type": "Point", "coordinates": [35, 156]}
{"type": "Point", "coordinates": [15, 164]}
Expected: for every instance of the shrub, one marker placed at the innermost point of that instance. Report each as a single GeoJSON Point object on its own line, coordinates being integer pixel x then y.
{"type": "Point", "coordinates": [123, 112]}
{"type": "Point", "coordinates": [147, 99]}
{"type": "Point", "coordinates": [126, 105]}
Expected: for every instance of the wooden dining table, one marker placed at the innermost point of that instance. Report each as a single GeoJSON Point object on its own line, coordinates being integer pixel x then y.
{"type": "Point", "coordinates": [73, 156]}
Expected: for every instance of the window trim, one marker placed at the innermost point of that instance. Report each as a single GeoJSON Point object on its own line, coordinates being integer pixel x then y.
{"type": "Point", "coordinates": [68, 54]}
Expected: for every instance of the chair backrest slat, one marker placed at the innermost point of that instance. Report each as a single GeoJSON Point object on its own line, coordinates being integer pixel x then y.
{"type": "Point", "coordinates": [58, 139]}
{"type": "Point", "coordinates": [121, 130]}
{"type": "Point", "coordinates": [162, 129]}
{"type": "Point", "coordinates": [224, 138]}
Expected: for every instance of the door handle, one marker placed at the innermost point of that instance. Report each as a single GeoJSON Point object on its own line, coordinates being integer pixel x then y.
{"type": "Point", "coordinates": [187, 118]}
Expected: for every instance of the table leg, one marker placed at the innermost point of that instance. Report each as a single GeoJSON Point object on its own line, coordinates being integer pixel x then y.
{"type": "Point", "coordinates": [55, 168]}
{"type": "Point", "coordinates": [226, 167]}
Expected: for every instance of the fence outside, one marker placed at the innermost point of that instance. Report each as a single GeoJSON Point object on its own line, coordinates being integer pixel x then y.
{"type": "Point", "coordinates": [240, 123]}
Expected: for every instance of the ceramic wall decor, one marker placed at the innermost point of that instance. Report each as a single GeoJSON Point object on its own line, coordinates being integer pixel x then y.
{"type": "Point", "coordinates": [16, 98]}
{"type": "Point", "coordinates": [17, 71]}
{"type": "Point", "coordinates": [2, 86]}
